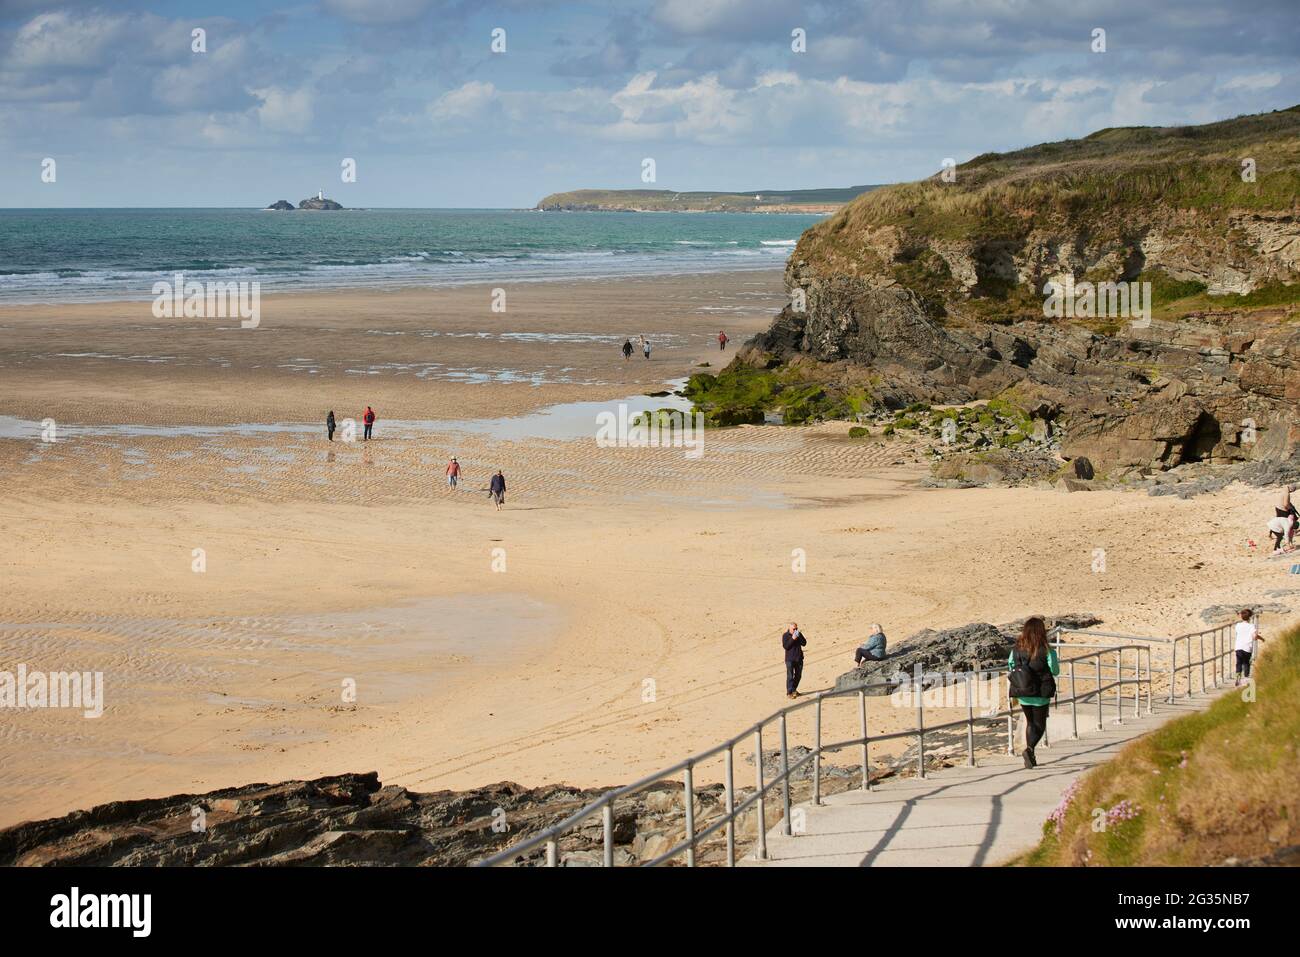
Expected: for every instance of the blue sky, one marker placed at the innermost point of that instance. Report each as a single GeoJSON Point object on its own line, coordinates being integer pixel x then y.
{"type": "Point", "coordinates": [710, 89]}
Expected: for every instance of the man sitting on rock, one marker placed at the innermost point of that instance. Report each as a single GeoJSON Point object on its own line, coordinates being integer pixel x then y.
{"type": "Point", "coordinates": [874, 649]}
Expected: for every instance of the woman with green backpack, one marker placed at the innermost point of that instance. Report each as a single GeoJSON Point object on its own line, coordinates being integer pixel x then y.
{"type": "Point", "coordinates": [1034, 666]}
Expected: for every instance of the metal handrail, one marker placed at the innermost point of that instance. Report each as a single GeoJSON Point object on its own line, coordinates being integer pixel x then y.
{"type": "Point", "coordinates": [1138, 645]}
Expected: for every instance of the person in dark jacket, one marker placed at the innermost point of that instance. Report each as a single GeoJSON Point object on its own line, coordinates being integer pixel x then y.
{"type": "Point", "coordinates": [793, 642]}
{"type": "Point", "coordinates": [497, 489]}
{"type": "Point", "coordinates": [369, 420]}
{"type": "Point", "coordinates": [1034, 653]}
{"type": "Point", "coordinates": [627, 349]}
{"type": "Point", "coordinates": [329, 424]}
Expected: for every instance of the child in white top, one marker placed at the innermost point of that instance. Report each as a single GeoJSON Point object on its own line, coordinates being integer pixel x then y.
{"type": "Point", "coordinates": [1245, 634]}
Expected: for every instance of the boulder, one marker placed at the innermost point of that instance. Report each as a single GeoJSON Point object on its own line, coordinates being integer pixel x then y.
{"type": "Point", "coordinates": [971, 646]}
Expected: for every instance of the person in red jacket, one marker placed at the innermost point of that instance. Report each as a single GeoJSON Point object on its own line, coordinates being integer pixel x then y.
{"type": "Point", "coordinates": [722, 340]}
{"type": "Point", "coordinates": [453, 472]}
{"type": "Point", "coordinates": [369, 420]}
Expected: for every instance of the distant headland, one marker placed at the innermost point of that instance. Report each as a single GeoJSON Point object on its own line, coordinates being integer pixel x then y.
{"type": "Point", "coordinates": [314, 202]}
{"type": "Point", "coordinates": [667, 200]}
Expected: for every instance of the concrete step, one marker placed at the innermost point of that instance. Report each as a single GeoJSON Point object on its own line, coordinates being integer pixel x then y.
{"type": "Point", "coordinates": [959, 816]}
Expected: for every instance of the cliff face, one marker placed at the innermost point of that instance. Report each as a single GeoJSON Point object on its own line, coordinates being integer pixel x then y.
{"type": "Point", "coordinates": [939, 288]}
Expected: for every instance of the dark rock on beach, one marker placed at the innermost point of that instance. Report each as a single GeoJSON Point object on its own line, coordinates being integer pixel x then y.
{"type": "Point", "coordinates": [1218, 614]}
{"type": "Point", "coordinates": [354, 820]}
{"type": "Point", "coordinates": [972, 646]}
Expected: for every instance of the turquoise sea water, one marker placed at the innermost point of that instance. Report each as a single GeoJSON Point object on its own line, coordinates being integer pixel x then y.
{"type": "Point", "coordinates": [71, 255]}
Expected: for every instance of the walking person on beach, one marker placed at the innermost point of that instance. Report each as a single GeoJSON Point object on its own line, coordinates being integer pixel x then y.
{"type": "Point", "coordinates": [1286, 510]}
{"type": "Point", "coordinates": [369, 420]}
{"type": "Point", "coordinates": [497, 489]}
{"type": "Point", "coordinates": [1033, 665]}
{"type": "Point", "coordinates": [645, 346]}
{"type": "Point", "coordinates": [793, 642]}
{"type": "Point", "coordinates": [329, 425]}
{"type": "Point", "coordinates": [873, 649]}
{"type": "Point", "coordinates": [453, 472]}
{"type": "Point", "coordinates": [722, 341]}
{"type": "Point", "coordinates": [1280, 530]}
{"type": "Point", "coordinates": [1245, 634]}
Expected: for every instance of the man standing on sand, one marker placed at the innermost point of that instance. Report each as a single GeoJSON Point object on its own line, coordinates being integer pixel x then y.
{"type": "Point", "coordinates": [329, 425]}
{"type": "Point", "coordinates": [369, 420]}
{"type": "Point", "coordinates": [793, 642]}
{"type": "Point", "coordinates": [645, 346]}
{"type": "Point", "coordinates": [453, 472]}
{"type": "Point", "coordinates": [722, 341]}
{"type": "Point", "coordinates": [1285, 510]}
{"type": "Point", "coordinates": [627, 349]}
{"type": "Point", "coordinates": [497, 489]}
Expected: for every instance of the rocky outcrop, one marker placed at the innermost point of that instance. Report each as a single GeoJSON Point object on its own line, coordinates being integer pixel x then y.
{"type": "Point", "coordinates": [318, 202]}
{"type": "Point", "coordinates": [951, 650]}
{"type": "Point", "coordinates": [1226, 390]}
{"type": "Point", "coordinates": [351, 819]}
{"type": "Point", "coordinates": [939, 289]}
{"type": "Point", "coordinates": [281, 204]}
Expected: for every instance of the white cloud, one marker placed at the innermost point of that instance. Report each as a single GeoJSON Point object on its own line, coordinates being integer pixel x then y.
{"type": "Point", "coordinates": [464, 102]}
{"type": "Point", "coordinates": [59, 40]}
{"type": "Point", "coordinates": [286, 111]}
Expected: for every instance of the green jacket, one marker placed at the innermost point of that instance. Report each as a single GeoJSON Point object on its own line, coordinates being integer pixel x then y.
{"type": "Point", "coordinates": [1053, 663]}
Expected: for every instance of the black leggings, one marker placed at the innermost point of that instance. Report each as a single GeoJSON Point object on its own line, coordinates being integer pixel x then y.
{"type": "Point", "coordinates": [1243, 663]}
{"type": "Point", "coordinates": [1035, 723]}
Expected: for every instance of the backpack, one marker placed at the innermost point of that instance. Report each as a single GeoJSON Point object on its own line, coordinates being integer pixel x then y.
{"type": "Point", "coordinates": [1027, 681]}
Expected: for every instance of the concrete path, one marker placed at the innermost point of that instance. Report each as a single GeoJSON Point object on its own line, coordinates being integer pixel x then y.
{"type": "Point", "coordinates": [961, 816]}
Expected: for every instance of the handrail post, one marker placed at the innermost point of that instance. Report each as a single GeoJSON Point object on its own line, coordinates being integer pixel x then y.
{"type": "Point", "coordinates": [607, 825]}
{"type": "Point", "coordinates": [1100, 723]}
{"type": "Point", "coordinates": [690, 816]}
{"type": "Point", "coordinates": [1074, 705]}
{"type": "Point", "coordinates": [1119, 687]}
{"type": "Point", "coordinates": [1201, 643]}
{"type": "Point", "coordinates": [552, 853]}
{"type": "Point", "coordinates": [917, 689]}
{"type": "Point", "coordinates": [817, 752]}
{"type": "Point", "coordinates": [970, 718]}
{"type": "Point", "coordinates": [866, 757]}
{"type": "Point", "coordinates": [731, 805]}
{"type": "Point", "coordinates": [762, 801]}
{"type": "Point", "coordinates": [1011, 719]}
{"type": "Point", "coordinates": [1150, 683]}
{"type": "Point", "coordinates": [1137, 682]}
{"type": "Point", "coordinates": [1173, 668]}
{"type": "Point", "coordinates": [785, 779]}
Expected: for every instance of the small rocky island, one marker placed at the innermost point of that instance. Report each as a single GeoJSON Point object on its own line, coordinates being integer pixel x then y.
{"type": "Point", "coordinates": [314, 202]}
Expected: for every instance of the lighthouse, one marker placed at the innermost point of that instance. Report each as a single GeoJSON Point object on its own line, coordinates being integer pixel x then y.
{"type": "Point", "coordinates": [320, 194]}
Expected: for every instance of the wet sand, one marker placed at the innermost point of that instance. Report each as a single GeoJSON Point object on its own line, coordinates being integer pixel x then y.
{"type": "Point", "coordinates": [622, 611]}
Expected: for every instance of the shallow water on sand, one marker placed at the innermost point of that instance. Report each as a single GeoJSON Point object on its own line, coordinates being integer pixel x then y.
{"type": "Point", "coordinates": [566, 421]}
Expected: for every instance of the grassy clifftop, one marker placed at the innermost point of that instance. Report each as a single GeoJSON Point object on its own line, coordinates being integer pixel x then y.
{"type": "Point", "coordinates": [1109, 206]}
{"type": "Point", "coordinates": [1207, 787]}
{"type": "Point", "coordinates": [667, 200]}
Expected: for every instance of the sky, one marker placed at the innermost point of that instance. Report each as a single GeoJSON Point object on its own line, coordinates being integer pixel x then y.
{"type": "Point", "coordinates": [720, 94]}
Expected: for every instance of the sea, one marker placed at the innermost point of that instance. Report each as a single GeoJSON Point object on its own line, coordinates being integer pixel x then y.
{"type": "Point", "coordinates": [87, 255]}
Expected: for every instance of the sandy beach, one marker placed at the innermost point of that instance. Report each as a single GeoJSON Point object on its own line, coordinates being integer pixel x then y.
{"type": "Point", "coordinates": [623, 610]}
